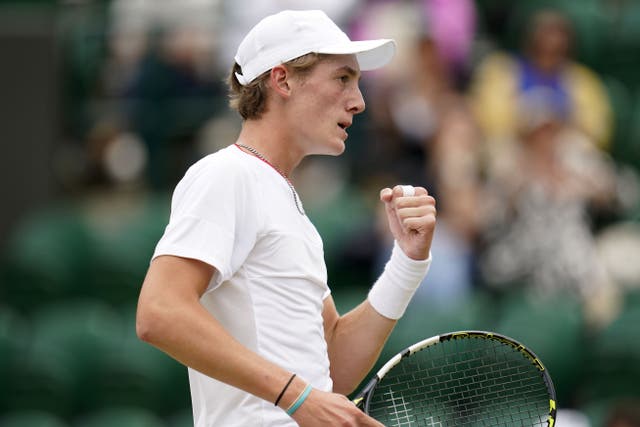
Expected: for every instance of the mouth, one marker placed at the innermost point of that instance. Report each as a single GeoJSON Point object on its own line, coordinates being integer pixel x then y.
{"type": "Point", "coordinates": [344, 125]}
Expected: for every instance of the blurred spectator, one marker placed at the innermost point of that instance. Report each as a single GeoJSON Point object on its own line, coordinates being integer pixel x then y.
{"type": "Point", "coordinates": [409, 101]}
{"type": "Point", "coordinates": [161, 64]}
{"type": "Point", "coordinates": [421, 130]}
{"type": "Point", "coordinates": [541, 190]}
{"type": "Point", "coordinates": [190, 28]}
{"type": "Point", "coordinates": [543, 66]}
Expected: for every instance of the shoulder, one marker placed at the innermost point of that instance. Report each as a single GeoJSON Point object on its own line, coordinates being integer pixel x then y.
{"type": "Point", "coordinates": [225, 173]}
{"type": "Point", "coordinates": [496, 71]}
{"type": "Point", "coordinates": [497, 63]}
{"type": "Point", "coordinates": [227, 162]}
{"type": "Point", "coordinates": [582, 75]}
{"type": "Point", "coordinates": [229, 166]}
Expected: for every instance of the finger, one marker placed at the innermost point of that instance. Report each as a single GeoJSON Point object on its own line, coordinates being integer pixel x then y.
{"type": "Point", "coordinates": [416, 201]}
{"type": "Point", "coordinates": [417, 222]}
{"type": "Point", "coordinates": [424, 223]}
{"type": "Point", "coordinates": [409, 191]}
{"type": "Point", "coordinates": [386, 195]}
{"type": "Point", "coordinates": [416, 211]}
{"type": "Point", "coordinates": [397, 191]}
{"type": "Point", "coordinates": [421, 191]}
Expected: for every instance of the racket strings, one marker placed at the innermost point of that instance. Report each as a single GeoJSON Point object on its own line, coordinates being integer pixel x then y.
{"type": "Point", "coordinates": [463, 382]}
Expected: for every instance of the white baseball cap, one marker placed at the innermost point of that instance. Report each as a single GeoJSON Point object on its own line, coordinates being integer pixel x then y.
{"type": "Point", "coordinates": [290, 34]}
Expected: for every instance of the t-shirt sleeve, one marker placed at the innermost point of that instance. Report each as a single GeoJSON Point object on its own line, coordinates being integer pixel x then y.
{"type": "Point", "coordinates": [212, 218]}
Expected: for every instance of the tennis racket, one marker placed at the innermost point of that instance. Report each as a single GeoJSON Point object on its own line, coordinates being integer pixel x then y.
{"type": "Point", "coordinates": [468, 378]}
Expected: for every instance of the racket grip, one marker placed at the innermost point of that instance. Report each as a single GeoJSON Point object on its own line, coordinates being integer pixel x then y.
{"type": "Point", "coordinates": [361, 397]}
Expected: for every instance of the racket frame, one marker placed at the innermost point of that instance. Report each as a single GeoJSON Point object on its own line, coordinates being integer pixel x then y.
{"type": "Point", "coordinates": [363, 398]}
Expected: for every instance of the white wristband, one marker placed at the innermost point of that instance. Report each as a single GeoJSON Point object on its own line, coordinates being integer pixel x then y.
{"type": "Point", "coordinates": [393, 290]}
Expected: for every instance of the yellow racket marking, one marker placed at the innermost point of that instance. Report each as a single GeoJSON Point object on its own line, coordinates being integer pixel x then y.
{"type": "Point", "coordinates": [522, 349]}
{"type": "Point", "coordinates": [552, 412]}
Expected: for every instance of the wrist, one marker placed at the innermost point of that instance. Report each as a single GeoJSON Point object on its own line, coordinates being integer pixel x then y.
{"type": "Point", "coordinates": [292, 393]}
{"type": "Point", "coordinates": [284, 389]}
{"type": "Point", "coordinates": [295, 405]}
{"type": "Point", "coordinates": [419, 255]}
{"type": "Point", "coordinates": [393, 290]}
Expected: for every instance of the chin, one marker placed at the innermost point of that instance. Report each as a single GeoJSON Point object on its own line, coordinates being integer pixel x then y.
{"type": "Point", "coordinates": [337, 149]}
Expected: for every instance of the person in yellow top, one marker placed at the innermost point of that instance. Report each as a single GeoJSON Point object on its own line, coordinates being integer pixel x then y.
{"type": "Point", "coordinates": [545, 70]}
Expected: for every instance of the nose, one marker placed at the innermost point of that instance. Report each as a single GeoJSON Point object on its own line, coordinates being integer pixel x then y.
{"type": "Point", "coordinates": [356, 103]}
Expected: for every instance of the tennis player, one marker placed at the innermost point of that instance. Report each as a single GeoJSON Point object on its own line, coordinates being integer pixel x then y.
{"type": "Point", "coordinates": [237, 287]}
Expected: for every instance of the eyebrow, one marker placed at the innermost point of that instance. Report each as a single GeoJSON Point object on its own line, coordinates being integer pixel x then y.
{"type": "Point", "coordinates": [352, 72]}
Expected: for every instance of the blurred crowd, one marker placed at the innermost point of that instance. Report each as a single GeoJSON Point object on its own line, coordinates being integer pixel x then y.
{"type": "Point", "coordinates": [517, 116]}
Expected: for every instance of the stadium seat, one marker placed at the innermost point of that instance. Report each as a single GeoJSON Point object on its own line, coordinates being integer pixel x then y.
{"type": "Point", "coordinates": [182, 418]}
{"type": "Point", "coordinates": [13, 339]}
{"type": "Point", "coordinates": [47, 257]}
{"type": "Point", "coordinates": [82, 331]}
{"type": "Point", "coordinates": [40, 378]}
{"type": "Point", "coordinates": [347, 298]}
{"type": "Point", "coordinates": [423, 320]}
{"type": "Point", "coordinates": [552, 327]}
{"type": "Point", "coordinates": [613, 357]}
{"type": "Point", "coordinates": [31, 419]}
{"type": "Point", "coordinates": [125, 416]}
{"type": "Point", "coordinates": [135, 373]}
{"type": "Point", "coordinates": [122, 251]}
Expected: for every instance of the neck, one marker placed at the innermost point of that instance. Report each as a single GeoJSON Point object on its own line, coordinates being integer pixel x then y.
{"type": "Point", "coordinates": [276, 146]}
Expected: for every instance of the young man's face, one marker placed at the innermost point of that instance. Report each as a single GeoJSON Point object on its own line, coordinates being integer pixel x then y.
{"type": "Point", "coordinates": [324, 102]}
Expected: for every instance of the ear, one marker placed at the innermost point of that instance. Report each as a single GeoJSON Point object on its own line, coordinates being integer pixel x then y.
{"type": "Point", "coordinates": [279, 79]}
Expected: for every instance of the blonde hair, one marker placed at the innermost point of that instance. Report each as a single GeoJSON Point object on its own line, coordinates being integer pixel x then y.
{"type": "Point", "coordinates": [251, 100]}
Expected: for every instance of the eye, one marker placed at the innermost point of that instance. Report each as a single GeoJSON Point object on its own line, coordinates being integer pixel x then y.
{"type": "Point", "coordinates": [345, 78]}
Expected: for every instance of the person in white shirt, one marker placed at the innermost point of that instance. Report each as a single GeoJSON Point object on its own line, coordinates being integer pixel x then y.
{"type": "Point", "coordinates": [237, 287]}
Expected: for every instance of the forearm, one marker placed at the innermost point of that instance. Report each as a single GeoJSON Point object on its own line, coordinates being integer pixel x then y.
{"type": "Point", "coordinates": [356, 339]}
{"type": "Point", "coordinates": [355, 343]}
{"type": "Point", "coordinates": [171, 318]}
{"type": "Point", "coordinates": [197, 340]}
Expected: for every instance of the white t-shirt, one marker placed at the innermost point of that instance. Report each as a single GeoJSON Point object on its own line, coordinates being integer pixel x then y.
{"type": "Point", "coordinates": [236, 213]}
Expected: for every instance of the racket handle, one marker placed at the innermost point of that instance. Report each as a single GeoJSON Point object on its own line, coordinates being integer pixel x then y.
{"type": "Point", "coordinates": [360, 398]}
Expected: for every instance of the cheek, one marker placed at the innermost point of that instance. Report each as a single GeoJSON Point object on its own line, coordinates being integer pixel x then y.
{"type": "Point", "coordinates": [320, 104]}
{"type": "Point", "coordinates": [319, 107]}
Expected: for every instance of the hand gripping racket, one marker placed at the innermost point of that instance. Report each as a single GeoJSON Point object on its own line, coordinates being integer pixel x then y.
{"type": "Point", "coordinates": [468, 378]}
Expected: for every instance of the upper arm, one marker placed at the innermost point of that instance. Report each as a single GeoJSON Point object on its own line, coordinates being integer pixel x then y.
{"type": "Point", "coordinates": [172, 277]}
{"type": "Point", "coordinates": [172, 285]}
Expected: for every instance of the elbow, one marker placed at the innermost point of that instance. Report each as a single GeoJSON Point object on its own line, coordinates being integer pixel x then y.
{"type": "Point", "coordinates": [143, 329]}
{"type": "Point", "coordinates": [147, 324]}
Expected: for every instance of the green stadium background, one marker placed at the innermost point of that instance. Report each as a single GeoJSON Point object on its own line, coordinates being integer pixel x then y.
{"type": "Point", "coordinates": [74, 250]}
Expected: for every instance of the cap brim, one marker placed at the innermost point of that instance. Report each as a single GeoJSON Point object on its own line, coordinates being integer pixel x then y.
{"type": "Point", "coordinates": [371, 54]}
